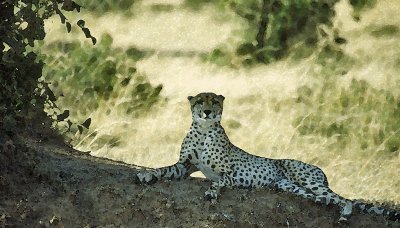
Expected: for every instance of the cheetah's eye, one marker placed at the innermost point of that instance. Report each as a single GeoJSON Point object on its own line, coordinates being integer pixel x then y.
{"type": "Point", "coordinates": [215, 103]}
{"type": "Point", "coordinates": [199, 102]}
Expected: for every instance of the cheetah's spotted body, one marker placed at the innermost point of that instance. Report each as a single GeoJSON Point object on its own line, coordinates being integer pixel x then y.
{"type": "Point", "coordinates": [207, 148]}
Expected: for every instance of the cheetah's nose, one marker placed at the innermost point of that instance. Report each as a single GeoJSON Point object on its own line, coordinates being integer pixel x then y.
{"type": "Point", "coordinates": [207, 112]}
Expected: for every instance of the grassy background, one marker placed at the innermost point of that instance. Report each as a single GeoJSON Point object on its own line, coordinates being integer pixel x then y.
{"type": "Point", "coordinates": [333, 105]}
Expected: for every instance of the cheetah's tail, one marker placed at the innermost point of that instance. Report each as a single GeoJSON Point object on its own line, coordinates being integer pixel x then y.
{"type": "Point", "coordinates": [377, 210]}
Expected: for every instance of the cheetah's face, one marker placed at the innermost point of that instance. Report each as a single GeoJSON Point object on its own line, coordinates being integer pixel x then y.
{"type": "Point", "coordinates": [206, 107]}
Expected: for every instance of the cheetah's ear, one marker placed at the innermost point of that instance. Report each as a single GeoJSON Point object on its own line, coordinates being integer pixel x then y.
{"type": "Point", "coordinates": [190, 98]}
{"type": "Point", "coordinates": [222, 98]}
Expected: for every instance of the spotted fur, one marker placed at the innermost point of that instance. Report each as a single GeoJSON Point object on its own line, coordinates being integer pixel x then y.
{"type": "Point", "coordinates": [208, 149]}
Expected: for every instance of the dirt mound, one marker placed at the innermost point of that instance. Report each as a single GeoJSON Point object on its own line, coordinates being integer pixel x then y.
{"type": "Point", "coordinates": [48, 184]}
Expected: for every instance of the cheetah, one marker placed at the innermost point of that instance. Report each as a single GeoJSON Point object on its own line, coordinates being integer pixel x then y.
{"type": "Point", "coordinates": [207, 148]}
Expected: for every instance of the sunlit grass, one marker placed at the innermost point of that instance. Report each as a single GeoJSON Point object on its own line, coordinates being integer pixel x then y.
{"type": "Point", "coordinates": [260, 110]}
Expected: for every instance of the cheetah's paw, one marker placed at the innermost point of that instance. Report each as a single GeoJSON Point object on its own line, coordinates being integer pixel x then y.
{"type": "Point", "coordinates": [211, 195]}
{"type": "Point", "coordinates": [145, 178]}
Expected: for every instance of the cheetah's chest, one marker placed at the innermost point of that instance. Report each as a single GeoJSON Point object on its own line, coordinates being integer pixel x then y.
{"type": "Point", "coordinates": [206, 163]}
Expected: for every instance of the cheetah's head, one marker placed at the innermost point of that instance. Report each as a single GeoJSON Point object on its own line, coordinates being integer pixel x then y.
{"type": "Point", "coordinates": [206, 107]}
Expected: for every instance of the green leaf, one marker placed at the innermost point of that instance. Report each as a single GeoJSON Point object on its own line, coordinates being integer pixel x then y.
{"type": "Point", "coordinates": [125, 82]}
{"type": "Point", "coordinates": [76, 6]}
{"type": "Point", "coordinates": [81, 23]}
{"type": "Point", "coordinates": [340, 40]}
{"type": "Point", "coordinates": [245, 48]}
{"type": "Point", "coordinates": [87, 32]}
{"type": "Point", "coordinates": [49, 93]}
{"type": "Point", "coordinates": [69, 5]}
{"type": "Point", "coordinates": [69, 124]}
{"type": "Point", "coordinates": [80, 129]}
{"type": "Point", "coordinates": [87, 123]}
{"type": "Point", "coordinates": [93, 40]}
{"type": "Point", "coordinates": [61, 15]}
{"type": "Point", "coordinates": [68, 27]}
{"type": "Point", "coordinates": [63, 116]}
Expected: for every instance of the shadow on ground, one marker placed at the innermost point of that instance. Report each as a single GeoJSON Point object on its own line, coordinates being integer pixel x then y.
{"type": "Point", "coordinates": [48, 184]}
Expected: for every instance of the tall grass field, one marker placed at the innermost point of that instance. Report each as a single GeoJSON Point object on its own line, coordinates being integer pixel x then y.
{"type": "Point", "coordinates": [335, 104]}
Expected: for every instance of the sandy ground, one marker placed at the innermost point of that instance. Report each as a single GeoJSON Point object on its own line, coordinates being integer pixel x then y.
{"type": "Point", "coordinates": [44, 183]}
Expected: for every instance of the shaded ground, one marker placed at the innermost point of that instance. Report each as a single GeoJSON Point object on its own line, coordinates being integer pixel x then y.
{"type": "Point", "coordinates": [48, 184]}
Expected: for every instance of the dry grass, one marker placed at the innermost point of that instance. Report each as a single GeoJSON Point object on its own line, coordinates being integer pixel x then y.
{"type": "Point", "coordinates": [154, 140]}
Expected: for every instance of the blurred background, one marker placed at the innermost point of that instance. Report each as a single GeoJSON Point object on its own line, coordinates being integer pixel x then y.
{"type": "Point", "coordinates": [313, 80]}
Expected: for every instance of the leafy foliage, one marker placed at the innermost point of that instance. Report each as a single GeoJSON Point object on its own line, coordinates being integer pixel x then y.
{"type": "Point", "coordinates": [21, 25]}
{"type": "Point", "coordinates": [272, 26]}
{"type": "Point", "coordinates": [105, 6]}
{"type": "Point", "coordinates": [86, 78]}
{"type": "Point", "coordinates": [361, 5]}
{"type": "Point", "coordinates": [198, 4]}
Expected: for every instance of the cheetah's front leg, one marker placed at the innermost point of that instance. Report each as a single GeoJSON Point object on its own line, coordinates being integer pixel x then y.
{"type": "Point", "coordinates": [182, 169]}
{"type": "Point", "coordinates": [176, 171]}
{"type": "Point", "coordinates": [214, 190]}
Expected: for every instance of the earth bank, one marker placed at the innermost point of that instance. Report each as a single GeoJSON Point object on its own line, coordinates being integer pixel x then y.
{"type": "Point", "coordinates": [46, 183]}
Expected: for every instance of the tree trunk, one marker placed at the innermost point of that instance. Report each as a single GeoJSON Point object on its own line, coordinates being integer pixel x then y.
{"type": "Point", "coordinates": [262, 27]}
